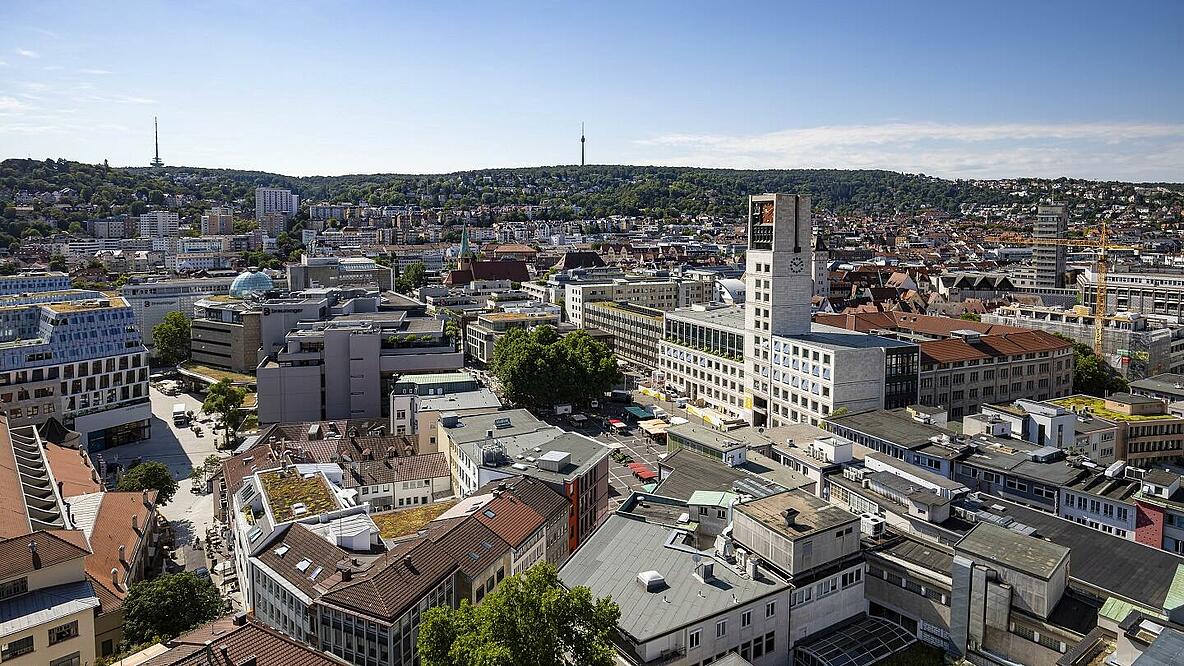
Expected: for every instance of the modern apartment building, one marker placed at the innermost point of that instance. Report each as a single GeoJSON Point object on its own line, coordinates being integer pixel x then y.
{"type": "Point", "coordinates": [1049, 260]}
{"type": "Point", "coordinates": [1146, 434]}
{"type": "Point", "coordinates": [635, 329]}
{"type": "Point", "coordinates": [344, 368]}
{"type": "Point", "coordinates": [76, 357]}
{"type": "Point", "coordinates": [159, 224]}
{"type": "Point", "coordinates": [273, 200]}
{"type": "Point", "coordinates": [660, 294]}
{"type": "Point", "coordinates": [218, 221]}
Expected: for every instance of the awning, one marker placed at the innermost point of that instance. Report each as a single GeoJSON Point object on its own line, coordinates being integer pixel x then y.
{"type": "Point", "coordinates": [638, 412]}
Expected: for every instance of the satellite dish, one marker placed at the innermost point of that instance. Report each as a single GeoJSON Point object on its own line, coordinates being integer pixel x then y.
{"type": "Point", "coordinates": [695, 558]}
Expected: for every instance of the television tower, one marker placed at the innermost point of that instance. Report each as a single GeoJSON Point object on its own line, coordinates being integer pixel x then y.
{"type": "Point", "coordinates": [581, 144]}
{"type": "Point", "coordinates": [156, 161]}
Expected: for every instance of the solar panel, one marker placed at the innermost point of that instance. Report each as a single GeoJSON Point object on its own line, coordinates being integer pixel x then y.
{"type": "Point", "coordinates": [501, 423]}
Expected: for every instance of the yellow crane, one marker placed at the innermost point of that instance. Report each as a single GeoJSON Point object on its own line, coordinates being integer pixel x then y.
{"type": "Point", "coordinates": [1102, 244]}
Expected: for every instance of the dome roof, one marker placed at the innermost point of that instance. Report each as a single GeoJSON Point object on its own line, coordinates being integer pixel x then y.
{"type": "Point", "coordinates": [249, 281]}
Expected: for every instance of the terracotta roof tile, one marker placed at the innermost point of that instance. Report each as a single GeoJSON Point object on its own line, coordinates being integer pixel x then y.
{"type": "Point", "coordinates": [304, 545]}
{"type": "Point", "coordinates": [204, 647]}
{"type": "Point", "coordinates": [510, 518]}
{"type": "Point", "coordinates": [16, 558]}
{"type": "Point", "coordinates": [393, 582]}
{"type": "Point", "coordinates": [72, 470]}
{"type": "Point", "coordinates": [990, 346]}
{"type": "Point", "coordinates": [112, 529]}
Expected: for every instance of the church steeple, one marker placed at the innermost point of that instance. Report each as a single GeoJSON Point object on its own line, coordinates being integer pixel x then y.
{"type": "Point", "coordinates": [464, 242]}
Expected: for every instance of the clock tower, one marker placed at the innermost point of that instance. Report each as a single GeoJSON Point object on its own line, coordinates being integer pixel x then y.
{"type": "Point", "coordinates": [778, 284]}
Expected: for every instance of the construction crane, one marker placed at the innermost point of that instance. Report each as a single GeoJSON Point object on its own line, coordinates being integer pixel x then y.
{"type": "Point", "coordinates": [1102, 244]}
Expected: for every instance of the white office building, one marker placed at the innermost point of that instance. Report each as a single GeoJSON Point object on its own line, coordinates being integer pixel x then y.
{"type": "Point", "coordinates": [159, 224]}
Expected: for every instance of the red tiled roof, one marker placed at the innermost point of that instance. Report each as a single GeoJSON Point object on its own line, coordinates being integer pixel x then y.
{"type": "Point", "coordinates": [112, 529]}
{"type": "Point", "coordinates": [222, 643]}
{"type": "Point", "coordinates": [510, 518]}
{"type": "Point", "coordinates": [54, 547]}
{"type": "Point", "coordinates": [393, 582]}
{"type": "Point", "coordinates": [990, 346]}
{"type": "Point", "coordinates": [71, 469]}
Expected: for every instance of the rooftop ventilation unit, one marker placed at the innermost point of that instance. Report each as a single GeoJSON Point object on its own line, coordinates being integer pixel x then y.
{"type": "Point", "coordinates": [651, 581]}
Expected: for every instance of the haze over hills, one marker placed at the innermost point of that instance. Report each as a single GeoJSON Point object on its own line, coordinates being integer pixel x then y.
{"type": "Point", "coordinates": [593, 191]}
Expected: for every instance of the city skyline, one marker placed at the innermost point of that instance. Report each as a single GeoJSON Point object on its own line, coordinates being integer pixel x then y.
{"type": "Point", "coordinates": [361, 88]}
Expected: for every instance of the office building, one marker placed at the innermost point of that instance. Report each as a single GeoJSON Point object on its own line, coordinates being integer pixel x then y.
{"type": "Point", "coordinates": [635, 329]}
{"type": "Point", "coordinates": [701, 355]}
{"type": "Point", "coordinates": [1148, 292]}
{"type": "Point", "coordinates": [482, 335]}
{"type": "Point", "coordinates": [275, 201]}
{"type": "Point", "coordinates": [159, 224]}
{"type": "Point", "coordinates": [33, 282]}
{"type": "Point", "coordinates": [1146, 434]}
{"type": "Point", "coordinates": [218, 221]}
{"type": "Point", "coordinates": [152, 298]}
{"type": "Point", "coordinates": [1136, 345]}
{"type": "Point", "coordinates": [326, 272]}
{"type": "Point", "coordinates": [77, 358]}
{"type": "Point", "coordinates": [1049, 260]}
{"type": "Point", "coordinates": [660, 294]}
{"type": "Point", "coordinates": [344, 368]}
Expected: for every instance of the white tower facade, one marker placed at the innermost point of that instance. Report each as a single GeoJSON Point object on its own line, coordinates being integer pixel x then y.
{"type": "Point", "coordinates": [820, 271]}
{"type": "Point", "coordinates": [778, 284]}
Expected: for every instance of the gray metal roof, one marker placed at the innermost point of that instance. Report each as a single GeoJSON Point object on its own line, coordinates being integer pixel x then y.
{"type": "Point", "coordinates": [1167, 650]}
{"type": "Point", "coordinates": [623, 547]}
{"type": "Point", "coordinates": [1002, 546]}
{"type": "Point", "coordinates": [45, 605]}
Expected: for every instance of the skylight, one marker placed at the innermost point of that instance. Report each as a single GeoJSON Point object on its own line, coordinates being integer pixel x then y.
{"type": "Point", "coordinates": [303, 564]}
{"type": "Point", "coordinates": [282, 550]}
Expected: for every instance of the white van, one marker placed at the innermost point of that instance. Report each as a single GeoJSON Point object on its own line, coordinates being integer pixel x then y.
{"type": "Point", "coordinates": [180, 417]}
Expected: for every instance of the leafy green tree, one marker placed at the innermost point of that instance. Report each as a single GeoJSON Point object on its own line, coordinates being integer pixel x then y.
{"type": "Point", "coordinates": [970, 316]}
{"type": "Point", "coordinates": [225, 400]}
{"type": "Point", "coordinates": [75, 228]}
{"type": "Point", "coordinates": [171, 338]}
{"type": "Point", "coordinates": [58, 263]}
{"type": "Point", "coordinates": [411, 278]}
{"type": "Point", "coordinates": [529, 619]}
{"type": "Point", "coordinates": [1092, 375]}
{"type": "Point", "coordinates": [151, 475]}
{"type": "Point", "coordinates": [539, 367]}
{"type": "Point", "coordinates": [169, 605]}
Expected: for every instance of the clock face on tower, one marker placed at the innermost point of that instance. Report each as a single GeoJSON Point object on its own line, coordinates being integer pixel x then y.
{"type": "Point", "coordinates": [796, 265]}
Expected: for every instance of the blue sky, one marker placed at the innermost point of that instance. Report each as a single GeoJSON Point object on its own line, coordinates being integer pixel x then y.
{"type": "Point", "coordinates": [955, 89]}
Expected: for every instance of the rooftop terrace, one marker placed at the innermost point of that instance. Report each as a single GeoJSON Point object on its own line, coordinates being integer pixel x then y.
{"type": "Point", "coordinates": [291, 496]}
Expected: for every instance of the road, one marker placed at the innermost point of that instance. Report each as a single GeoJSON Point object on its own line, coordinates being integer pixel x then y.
{"type": "Point", "coordinates": [181, 450]}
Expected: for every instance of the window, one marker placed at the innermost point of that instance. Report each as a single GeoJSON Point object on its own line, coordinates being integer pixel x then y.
{"type": "Point", "coordinates": [771, 609]}
{"type": "Point", "coordinates": [14, 587]}
{"type": "Point", "coordinates": [746, 619]}
{"type": "Point", "coordinates": [63, 632]}
{"type": "Point", "coordinates": [693, 639]}
{"type": "Point", "coordinates": [16, 648]}
{"type": "Point", "coordinates": [721, 628]}
{"type": "Point", "coordinates": [68, 660]}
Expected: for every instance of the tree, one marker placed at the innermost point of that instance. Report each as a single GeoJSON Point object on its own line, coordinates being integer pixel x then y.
{"type": "Point", "coordinates": [529, 619]}
{"type": "Point", "coordinates": [1092, 375]}
{"type": "Point", "coordinates": [58, 263]}
{"type": "Point", "coordinates": [150, 475]}
{"type": "Point", "coordinates": [411, 278]}
{"type": "Point", "coordinates": [166, 606]}
{"type": "Point", "coordinates": [171, 338]}
{"type": "Point", "coordinates": [970, 316]}
{"type": "Point", "coordinates": [539, 367]}
{"type": "Point", "coordinates": [224, 399]}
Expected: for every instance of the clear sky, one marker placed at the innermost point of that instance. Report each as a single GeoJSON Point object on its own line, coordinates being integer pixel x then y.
{"type": "Point", "coordinates": [956, 89]}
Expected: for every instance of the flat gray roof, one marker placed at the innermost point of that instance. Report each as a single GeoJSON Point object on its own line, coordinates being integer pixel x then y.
{"type": "Point", "coordinates": [727, 317]}
{"type": "Point", "coordinates": [1169, 382]}
{"type": "Point", "coordinates": [623, 547]}
{"type": "Point", "coordinates": [895, 426]}
{"type": "Point", "coordinates": [838, 339]}
{"type": "Point", "coordinates": [1027, 554]}
{"type": "Point", "coordinates": [814, 515]}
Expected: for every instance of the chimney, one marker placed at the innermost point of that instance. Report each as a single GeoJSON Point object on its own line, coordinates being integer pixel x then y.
{"type": "Point", "coordinates": [115, 577]}
{"type": "Point", "coordinates": [144, 497]}
{"type": "Point", "coordinates": [60, 487]}
{"type": "Point", "coordinates": [225, 654]}
{"type": "Point", "coordinates": [34, 555]}
{"type": "Point", "coordinates": [249, 661]}
{"type": "Point", "coordinates": [240, 619]}
{"type": "Point", "coordinates": [346, 572]}
{"type": "Point", "coordinates": [136, 523]}
{"type": "Point", "coordinates": [123, 553]}
{"type": "Point", "coordinates": [790, 516]}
